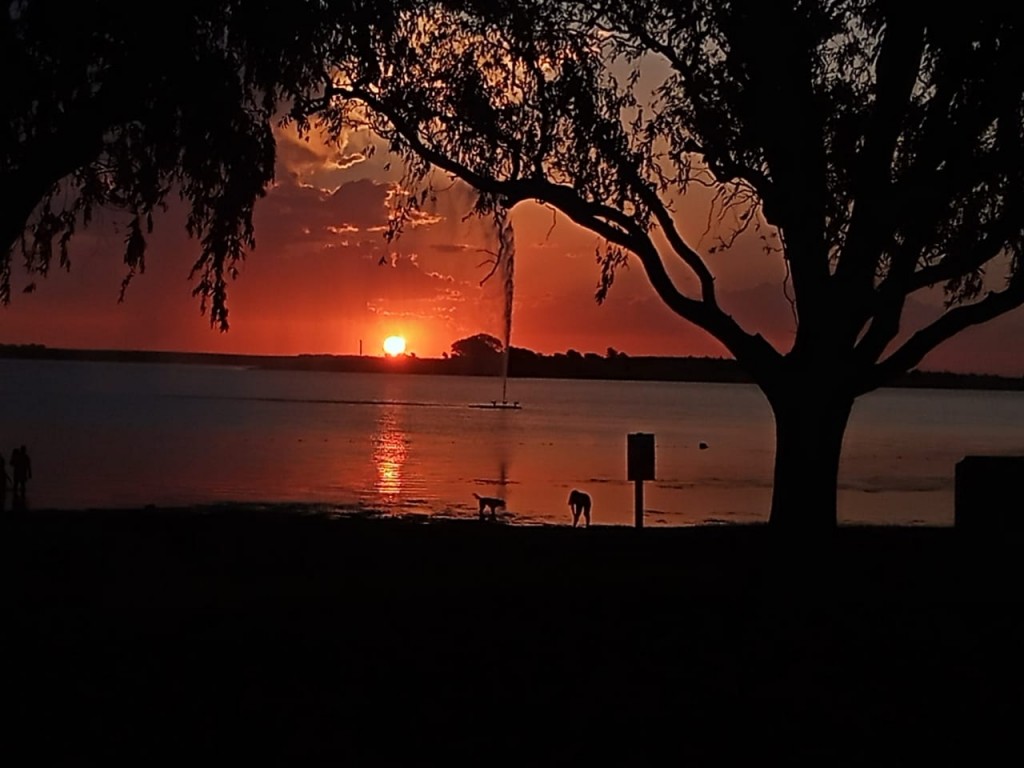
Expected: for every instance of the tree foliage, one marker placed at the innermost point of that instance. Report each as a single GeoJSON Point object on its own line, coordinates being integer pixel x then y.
{"type": "Point", "coordinates": [107, 107]}
{"type": "Point", "coordinates": [482, 346]}
{"type": "Point", "coordinates": [878, 146]}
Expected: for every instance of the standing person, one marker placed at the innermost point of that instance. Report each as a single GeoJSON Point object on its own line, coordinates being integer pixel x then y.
{"type": "Point", "coordinates": [21, 467]}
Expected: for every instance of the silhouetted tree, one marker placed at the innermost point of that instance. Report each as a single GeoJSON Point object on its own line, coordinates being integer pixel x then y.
{"type": "Point", "coordinates": [877, 146]}
{"type": "Point", "coordinates": [479, 355]}
{"type": "Point", "coordinates": [482, 346]}
{"type": "Point", "coordinates": [522, 360]}
{"type": "Point", "coordinates": [105, 106]}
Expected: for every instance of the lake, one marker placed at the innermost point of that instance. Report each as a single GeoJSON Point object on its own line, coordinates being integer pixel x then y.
{"type": "Point", "coordinates": [133, 434]}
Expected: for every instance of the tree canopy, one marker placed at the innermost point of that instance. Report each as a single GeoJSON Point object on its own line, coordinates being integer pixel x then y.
{"type": "Point", "coordinates": [108, 107]}
{"type": "Point", "coordinates": [480, 346]}
{"type": "Point", "coordinates": [877, 145]}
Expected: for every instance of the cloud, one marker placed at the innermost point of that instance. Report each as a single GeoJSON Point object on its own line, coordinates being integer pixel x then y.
{"type": "Point", "coordinates": [296, 217]}
{"type": "Point", "coordinates": [309, 157]}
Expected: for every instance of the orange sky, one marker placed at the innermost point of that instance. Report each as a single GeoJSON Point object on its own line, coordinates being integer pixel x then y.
{"type": "Point", "coordinates": [315, 284]}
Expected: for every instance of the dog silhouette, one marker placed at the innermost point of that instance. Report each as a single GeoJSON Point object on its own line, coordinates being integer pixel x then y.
{"type": "Point", "coordinates": [579, 502]}
{"type": "Point", "coordinates": [489, 502]}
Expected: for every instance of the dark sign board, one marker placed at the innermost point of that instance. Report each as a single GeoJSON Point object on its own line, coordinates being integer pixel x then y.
{"type": "Point", "coordinates": [987, 496]}
{"type": "Point", "coordinates": [640, 456]}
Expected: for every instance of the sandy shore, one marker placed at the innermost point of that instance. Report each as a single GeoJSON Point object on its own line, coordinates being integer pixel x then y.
{"type": "Point", "coordinates": [214, 634]}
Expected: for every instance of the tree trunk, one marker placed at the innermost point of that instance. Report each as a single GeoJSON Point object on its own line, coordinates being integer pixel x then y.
{"type": "Point", "coordinates": [809, 428]}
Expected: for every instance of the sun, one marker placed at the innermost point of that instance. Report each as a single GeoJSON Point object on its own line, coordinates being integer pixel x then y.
{"type": "Point", "coordinates": [394, 346]}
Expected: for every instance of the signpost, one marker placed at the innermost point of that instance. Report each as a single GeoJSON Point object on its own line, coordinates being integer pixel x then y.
{"type": "Point", "coordinates": [639, 467]}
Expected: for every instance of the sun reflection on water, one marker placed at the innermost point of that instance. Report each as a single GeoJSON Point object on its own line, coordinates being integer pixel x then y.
{"type": "Point", "coordinates": [389, 452]}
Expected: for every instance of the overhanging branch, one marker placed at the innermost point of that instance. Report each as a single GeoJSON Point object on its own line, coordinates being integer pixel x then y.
{"type": "Point", "coordinates": [951, 323]}
{"type": "Point", "coordinates": [689, 257]}
{"type": "Point", "coordinates": [610, 223]}
{"type": "Point", "coordinates": [991, 246]}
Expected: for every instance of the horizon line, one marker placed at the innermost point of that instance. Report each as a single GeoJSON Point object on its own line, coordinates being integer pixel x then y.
{"type": "Point", "coordinates": [413, 356]}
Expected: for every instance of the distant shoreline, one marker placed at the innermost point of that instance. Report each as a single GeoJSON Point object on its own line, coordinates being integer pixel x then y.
{"type": "Point", "coordinates": [523, 364]}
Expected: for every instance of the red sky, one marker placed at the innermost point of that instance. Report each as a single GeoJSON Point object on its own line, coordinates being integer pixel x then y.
{"type": "Point", "coordinates": [315, 284]}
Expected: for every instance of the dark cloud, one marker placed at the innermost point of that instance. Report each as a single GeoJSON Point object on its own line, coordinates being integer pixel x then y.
{"type": "Point", "coordinates": [297, 158]}
{"type": "Point", "coordinates": [306, 159]}
{"type": "Point", "coordinates": [298, 217]}
{"type": "Point", "coordinates": [294, 215]}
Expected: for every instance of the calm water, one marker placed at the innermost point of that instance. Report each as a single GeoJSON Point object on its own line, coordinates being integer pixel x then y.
{"type": "Point", "coordinates": [117, 435]}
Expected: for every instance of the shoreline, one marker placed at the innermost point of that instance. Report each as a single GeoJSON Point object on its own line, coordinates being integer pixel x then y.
{"type": "Point", "coordinates": [526, 364]}
{"type": "Point", "coordinates": [439, 512]}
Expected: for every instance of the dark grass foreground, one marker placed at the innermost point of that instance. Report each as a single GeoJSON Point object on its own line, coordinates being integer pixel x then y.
{"type": "Point", "coordinates": [217, 636]}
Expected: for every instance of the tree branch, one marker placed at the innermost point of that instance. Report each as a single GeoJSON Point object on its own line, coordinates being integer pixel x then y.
{"type": "Point", "coordinates": [947, 326]}
{"type": "Point", "coordinates": [961, 264]}
{"type": "Point", "coordinates": [689, 257]}
{"type": "Point", "coordinates": [872, 221]}
{"type": "Point", "coordinates": [609, 223]}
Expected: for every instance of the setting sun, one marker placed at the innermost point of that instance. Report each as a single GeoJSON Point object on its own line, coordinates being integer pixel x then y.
{"type": "Point", "coordinates": [394, 345]}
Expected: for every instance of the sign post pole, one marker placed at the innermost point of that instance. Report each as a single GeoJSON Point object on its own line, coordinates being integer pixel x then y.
{"type": "Point", "coordinates": [638, 503]}
{"type": "Point", "coordinates": [639, 467]}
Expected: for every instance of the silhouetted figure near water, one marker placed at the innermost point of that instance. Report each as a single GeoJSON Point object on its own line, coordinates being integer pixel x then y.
{"type": "Point", "coordinates": [21, 469]}
{"type": "Point", "coordinates": [579, 502]}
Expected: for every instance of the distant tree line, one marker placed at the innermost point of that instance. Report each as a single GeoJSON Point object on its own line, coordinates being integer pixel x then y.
{"type": "Point", "coordinates": [483, 358]}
